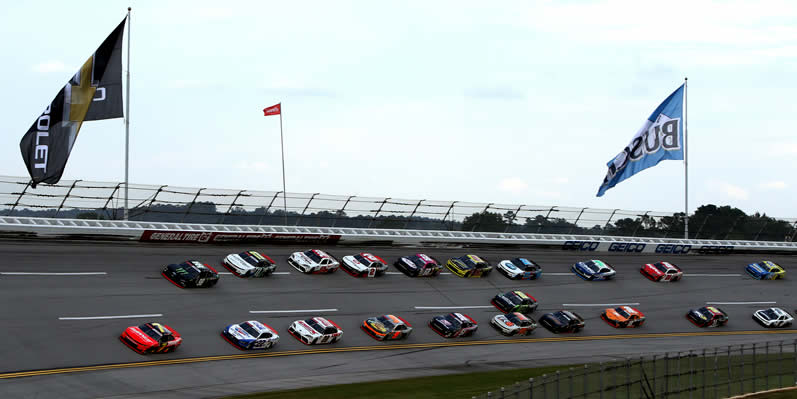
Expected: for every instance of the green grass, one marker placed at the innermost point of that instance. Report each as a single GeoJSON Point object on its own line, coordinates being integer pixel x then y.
{"type": "Point", "coordinates": [445, 386]}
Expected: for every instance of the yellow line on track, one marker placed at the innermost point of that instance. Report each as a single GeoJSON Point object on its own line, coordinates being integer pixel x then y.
{"type": "Point", "coordinates": [429, 345]}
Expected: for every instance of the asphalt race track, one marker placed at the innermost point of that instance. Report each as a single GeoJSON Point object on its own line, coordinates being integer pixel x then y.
{"type": "Point", "coordinates": [46, 334]}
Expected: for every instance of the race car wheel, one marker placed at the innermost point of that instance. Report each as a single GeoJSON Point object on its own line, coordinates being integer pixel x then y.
{"type": "Point", "coordinates": [622, 324]}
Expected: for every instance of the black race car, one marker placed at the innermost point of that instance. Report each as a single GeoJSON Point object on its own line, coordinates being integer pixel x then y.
{"type": "Point", "coordinates": [191, 274]}
{"type": "Point", "coordinates": [515, 301]}
{"type": "Point", "coordinates": [453, 325]}
{"type": "Point", "coordinates": [418, 265]}
{"type": "Point", "coordinates": [562, 321]}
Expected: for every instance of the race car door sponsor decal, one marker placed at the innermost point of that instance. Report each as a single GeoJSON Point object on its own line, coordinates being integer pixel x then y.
{"type": "Point", "coordinates": [223, 237]}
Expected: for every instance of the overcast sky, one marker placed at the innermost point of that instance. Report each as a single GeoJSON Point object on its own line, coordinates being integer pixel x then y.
{"type": "Point", "coordinates": [509, 102]}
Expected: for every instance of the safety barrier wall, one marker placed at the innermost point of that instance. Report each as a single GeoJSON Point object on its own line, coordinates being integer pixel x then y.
{"type": "Point", "coordinates": [151, 203]}
{"type": "Point", "coordinates": [11, 226]}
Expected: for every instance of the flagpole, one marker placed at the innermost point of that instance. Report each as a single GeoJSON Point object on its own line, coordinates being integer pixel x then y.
{"type": "Point", "coordinates": [127, 119]}
{"type": "Point", "coordinates": [284, 191]}
{"type": "Point", "coordinates": [686, 168]}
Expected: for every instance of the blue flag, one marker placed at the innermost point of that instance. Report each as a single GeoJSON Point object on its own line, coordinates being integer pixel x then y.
{"type": "Point", "coordinates": [660, 137]}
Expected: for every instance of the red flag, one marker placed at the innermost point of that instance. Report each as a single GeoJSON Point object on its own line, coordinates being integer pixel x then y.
{"type": "Point", "coordinates": [272, 110]}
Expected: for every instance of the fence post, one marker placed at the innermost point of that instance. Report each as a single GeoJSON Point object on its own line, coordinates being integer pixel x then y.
{"type": "Point", "coordinates": [586, 368]}
{"type": "Point", "coordinates": [502, 393]}
{"type": "Point", "coordinates": [531, 388]}
{"type": "Point", "coordinates": [691, 374]}
{"type": "Point", "coordinates": [714, 384]}
{"type": "Point", "coordinates": [780, 361]}
{"type": "Point", "coordinates": [755, 382]}
{"type": "Point", "coordinates": [546, 218]}
{"type": "Point", "coordinates": [666, 374]}
{"type": "Point", "coordinates": [512, 220]}
{"type": "Point", "coordinates": [601, 378]}
{"type": "Point", "coordinates": [409, 219]}
{"type": "Point", "coordinates": [730, 376]}
{"type": "Point", "coordinates": [187, 210]}
{"type": "Point", "coordinates": [575, 224]}
{"type": "Point", "coordinates": [606, 226]}
{"type": "Point", "coordinates": [794, 353]}
{"type": "Point", "coordinates": [299, 219]}
{"type": "Point", "coordinates": [544, 386]}
{"type": "Point", "coordinates": [342, 209]}
{"type": "Point", "coordinates": [641, 221]}
{"type": "Point", "coordinates": [704, 373]}
{"type": "Point", "coordinates": [627, 378]}
{"type": "Point", "coordinates": [265, 211]}
{"type": "Point", "coordinates": [654, 377]}
{"type": "Point", "coordinates": [450, 208]}
{"type": "Point", "coordinates": [231, 205]}
{"type": "Point", "coordinates": [375, 215]}
{"type": "Point", "coordinates": [570, 377]}
{"type": "Point", "coordinates": [65, 197]}
{"type": "Point", "coordinates": [614, 382]}
{"type": "Point", "coordinates": [701, 226]}
{"type": "Point", "coordinates": [110, 198]}
{"type": "Point", "coordinates": [741, 370]}
{"type": "Point", "coordinates": [10, 211]}
{"type": "Point", "coordinates": [481, 215]}
{"type": "Point", "coordinates": [733, 226]}
{"type": "Point", "coordinates": [766, 366]}
{"type": "Point", "coordinates": [517, 390]}
{"type": "Point", "coordinates": [557, 384]}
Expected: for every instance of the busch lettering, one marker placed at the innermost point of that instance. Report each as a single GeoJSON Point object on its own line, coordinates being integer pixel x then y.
{"type": "Point", "coordinates": [42, 146]}
{"type": "Point", "coordinates": [580, 245]}
{"type": "Point", "coordinates": [662, 134]}
{"type": "Point", "coordinates": [626, 247]}
{"type": "Point", "coordinates": [673, 249]}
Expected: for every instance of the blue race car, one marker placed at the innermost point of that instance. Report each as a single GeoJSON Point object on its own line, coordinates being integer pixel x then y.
{"type": "Point", "coordinates": [592, 270]}
{"type": "Point", "coordinates": [765, 270]}
{"type": "Point", "coordinates": [250, 335]}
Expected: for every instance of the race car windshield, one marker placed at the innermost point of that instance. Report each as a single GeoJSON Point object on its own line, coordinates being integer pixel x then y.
{"type": "Point", "coordinates": [705, 312]}
{"type": "Point", "coordinates": [313, 256]}
{"type": "Point", "coordinates": [562, 317]}
{"type": "Point", "coordinates": [385, 321]}
{"type": "Point", "coordinates": [417, 260]}
{"type": "Point", "coordinates": [770, 314]}
{"type": "Point", "coordinates": [153, 333]}
{"type": "Point", "coordinates": [661, 267]}
{"type": "Point", "coordinates": [188, 271]}
{"type": "Point", "coordinates": [514, 298]}
{"type": "Point", "coordinates": [527, 265]}
{"type": "Point", "coordinates": [250, 330]}
{"type": "Point", "coordinates": [454, 321]}
{"type": "Point", "coordinates": [517, 320]}
{"type": "Point", "coordinates": [622, 312]}
{"type": "Point", "coordinates": [365, 261]}
{"type": "Point", "coordinates": [468, 262]}
{"type": "Point", "coordinates": [592, 266]}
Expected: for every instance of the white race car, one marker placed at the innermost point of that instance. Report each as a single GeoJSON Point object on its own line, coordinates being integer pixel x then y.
{"type": "Point", "coordinates": [249, 264]}
{"type": "Point", "coordinates": [317, 330]}
{"type": "Point", "coordinates": [514, 323]}
{"type": "Point", "coordinates": [773, 317]}
{"type": "Point", "coordinates": [364, 265]}
{"type": "Point", "coordinates": [519, 269]}
{"type": "Point", "coordinates": [313, 261]}
{"type": "Point", "coordinates": [250, 335]}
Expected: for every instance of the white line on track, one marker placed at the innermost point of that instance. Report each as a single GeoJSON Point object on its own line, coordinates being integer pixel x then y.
{"type": "Point", "coordinates": [711, 275]}
{"type": "Point", "coordinates": [453, 307]}
{"type": "Point", "coordinates": [394, 273]}
{"type": "Point", "coordinates": [281, 273]}
{"type": "Point", "coordinates": [601, 304]}
{"type": "Point", "coordinates": [293, 311]}
{"type": "Point", "coordinates": [130, 316]}
{"type": "Point", "coordinates": [52, 274]}
{"type": "Point", "coordinates": [742, 303]}
{"type": "Point", "coordinates": [225, 273]}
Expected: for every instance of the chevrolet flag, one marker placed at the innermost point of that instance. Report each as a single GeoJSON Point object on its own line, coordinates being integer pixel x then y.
{"type": "Point", "coordinates": [94, 93]}
{"type": "Point", "coordinates": [659, 138]}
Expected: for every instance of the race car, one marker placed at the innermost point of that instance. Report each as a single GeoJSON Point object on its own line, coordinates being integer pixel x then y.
{"type": "Point", "coordinates": [364, 265]}
{"type": "Point", "coordinates": [707, 316]}
{"type": "Point", "coordinates": [514, 301]}
{"type": "Point", "coordinates": [386, 327]}
{"type": "Point", "coordinates": [773, 317]}
{"type": "Point", "coordinates": [765, 270]}
{"type": "Point", "coordinates": [469, 266]}
{"type": "Point", "coordinates": [593, 270]}
{"type": "Point", "coordinates": [313, 261]}
{"type": "Point", "coordinates": [519, 269]}
{"type": "Point", "coordinates": [623, 316]}
{"type": "Point", "coordinates": [513, 324]}
{"type": "Point", "coordinates": [249, 264]}
{"type": "Point", "coordinates": [418, 265]}
{"type": "Point", "coordinates": [250, 335]}
{"type": "Point", "coordinates": [453, 325]}
{"type": "Point", "coordinates": [562, 321]}
{"type": "Point", "coordinates": [661, 271]}
{"type": "Point", "coordinates": [317, 330]}
{"type": "Point", "coordinates": [151, 338]}
{"type": "Point", "coordinates": [191, 274]}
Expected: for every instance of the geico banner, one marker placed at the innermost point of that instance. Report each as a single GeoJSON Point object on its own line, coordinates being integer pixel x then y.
{"type": "Point", "coordinates": [640, 247]}
{"type": "Point", "coordinates": [225, 237]}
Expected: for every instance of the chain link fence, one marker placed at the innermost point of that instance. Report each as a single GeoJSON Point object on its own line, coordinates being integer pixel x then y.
{"type": "Point", "coordinates": [719, 372]}
{"type": "Point", "coordinates": [98, 200]}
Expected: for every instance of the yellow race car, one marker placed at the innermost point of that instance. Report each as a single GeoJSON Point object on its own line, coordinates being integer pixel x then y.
{"type": "Point", "coordinates": [765, 270]}
{"type": "Point", "coordinates": [469, 266]}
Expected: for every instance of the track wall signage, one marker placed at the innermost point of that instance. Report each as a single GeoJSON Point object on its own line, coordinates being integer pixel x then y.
{"type": "Point", "coordinates": [639, 247]}
{"type": "Point", "coordinates": [223, 237]}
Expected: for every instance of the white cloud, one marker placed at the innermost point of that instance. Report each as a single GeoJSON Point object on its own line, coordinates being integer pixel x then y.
{"type": "Point", "coordinates": [784, 148]}
{"type": "Point", "coordinates": [734, 192]}
{"type": "Point", "coordinates": [49, 67]}
{"type": "Point", "coordinates": [561, 180]}
{"type": "Point", "coordinates": [258, 166]}
{"type": "Point", "coordinates": [773, 185]}
{"type": "Point", "coordinates": [513, 185]}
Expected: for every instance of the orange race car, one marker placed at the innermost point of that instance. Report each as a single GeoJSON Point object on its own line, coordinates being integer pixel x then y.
{"type": "Point", "coordinates": [623, 316]}
{"type": "Point", "coordinates": [386, 327]}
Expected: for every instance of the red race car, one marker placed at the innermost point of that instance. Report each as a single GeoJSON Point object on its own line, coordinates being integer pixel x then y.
{"type": "Point", "coordinates": [151, 338]}
{"type": "Point", "coordinates": [661, 271]}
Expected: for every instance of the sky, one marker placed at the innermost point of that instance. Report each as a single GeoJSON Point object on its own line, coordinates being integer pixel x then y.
{"type": "Point", "coordinates": [517, 102]}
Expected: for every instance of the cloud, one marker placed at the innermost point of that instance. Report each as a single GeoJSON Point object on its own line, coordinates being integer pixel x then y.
{"type": "Point", "coordinates": [773, 185]}
{"type": "Point", "coordinates": [258, 166]}
{"type": "Point", "coordinates": [49, 67]}
{"type": "Point", "coordinates": [513, 185]}
{"type": "Point", "coordinates": [734, 192]}
{"type": "Point", "coordinates": [561, 180]}
{"type": "Point", "coordinates": [495, 93]}
{"type": "Point", "coordinates": [784, 148]}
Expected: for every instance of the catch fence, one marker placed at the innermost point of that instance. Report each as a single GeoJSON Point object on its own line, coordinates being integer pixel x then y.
{"type": "Point", "coordinates": [719, 372]}
{"type": "Point", "coordinates": [151, 203]}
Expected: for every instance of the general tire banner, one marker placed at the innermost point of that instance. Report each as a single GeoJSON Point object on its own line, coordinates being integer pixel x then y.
{"type": "Point", "coordinates": [225, 237]}
{"type": "Point", "coordinates": [93, 93]}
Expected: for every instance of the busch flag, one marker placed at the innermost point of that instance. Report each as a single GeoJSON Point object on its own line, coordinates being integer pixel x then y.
{"type": "Point", "coordinates": [273, 110]}
{"type": "Point", "coordinates": [659, 138]}
{"type": "Point", "coordinates": [93, 93]}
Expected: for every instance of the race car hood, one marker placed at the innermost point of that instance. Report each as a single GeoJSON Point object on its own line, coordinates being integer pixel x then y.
{"type": "Point", "coordinates": [503, 321]}
{"type": "Point", "coordinates": [302, 259]}
{"type": "Point", "coordinates": [238, 263]}
{"type": "Point", "coordinates": [354, 263]}
{"type": "Point", "coordinates": [377, 326]}
{"type": "Point", "coordinates": [239, 333]}
{"type": "Point", "coordinates": [137, 335]}
{"type": "Point", "coordinates": [754, 267]}
{"type": "Point", "coordinates": [510, 267]}
{"type": "Point", "coordinates": [305, 329]}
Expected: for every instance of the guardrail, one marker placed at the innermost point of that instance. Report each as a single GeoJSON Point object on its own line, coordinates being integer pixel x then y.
{"type": "Point", "coordinates": [219, 234]}
{"type": "Point", "coordinates": [151, 203]}
{"type": "Point", "coordinates": [709, 373]}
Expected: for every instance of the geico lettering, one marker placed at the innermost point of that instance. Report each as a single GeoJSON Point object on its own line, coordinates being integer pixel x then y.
{"type": "Point", "coordinates": [673, 249]}
{"type": "Point", "coordinates": [580, 245]}
{"type": "Point", "coordinates": [626, 247]}
{"type": "Point", "coordinates": [716, 249]}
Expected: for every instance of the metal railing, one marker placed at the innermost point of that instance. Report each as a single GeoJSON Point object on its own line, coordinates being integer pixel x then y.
{"type": "Point", "coordinates": [98, 200]}
{"type": "Point", "coordinates": [719, 372]}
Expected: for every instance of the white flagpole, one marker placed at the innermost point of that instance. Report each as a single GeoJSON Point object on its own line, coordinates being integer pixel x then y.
{"type": "Point", "coordinates": [127, 118]}
{"type": "Point", "coordinates": [284, 191]}
{"type": "Point", "coordinates": [686, 170]}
